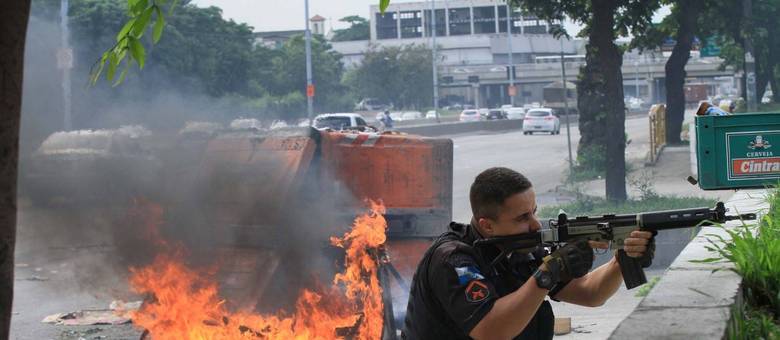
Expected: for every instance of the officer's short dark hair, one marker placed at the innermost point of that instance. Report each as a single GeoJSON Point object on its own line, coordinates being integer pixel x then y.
{"type": "Point", "coordinates": [492, 187]}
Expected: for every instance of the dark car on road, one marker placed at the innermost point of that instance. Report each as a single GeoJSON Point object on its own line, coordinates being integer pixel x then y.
{"type": "Point", "coordinates": [495, 114]}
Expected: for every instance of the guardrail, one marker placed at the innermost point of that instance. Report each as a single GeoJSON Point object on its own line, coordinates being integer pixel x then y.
{"type": "Point", "coordinates": [452, 128]}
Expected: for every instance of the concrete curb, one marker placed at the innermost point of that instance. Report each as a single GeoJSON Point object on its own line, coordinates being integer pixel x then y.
{"type": "Point", "coordinates": [691, 301]}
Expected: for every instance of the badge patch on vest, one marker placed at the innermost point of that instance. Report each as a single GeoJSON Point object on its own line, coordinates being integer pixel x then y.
{"type": "Point", "coordinates": [477, 291]}
{"type": "Point", "coordinates": [468, 274]}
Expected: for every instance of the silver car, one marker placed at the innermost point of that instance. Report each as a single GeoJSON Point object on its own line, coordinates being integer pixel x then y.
{"type": "Point", "coordinates": [541, 120]}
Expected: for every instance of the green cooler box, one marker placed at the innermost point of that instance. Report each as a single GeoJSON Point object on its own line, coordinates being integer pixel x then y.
{"type": "Point", "coordinates": [738, 151]}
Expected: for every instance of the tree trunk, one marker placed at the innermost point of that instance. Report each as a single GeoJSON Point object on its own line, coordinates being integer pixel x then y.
{"type": "Point", "coordinates": [600, 93]}
{"type": "Point", "coordinates": [13, 31]}
{"type": "Point", "coordinates": [675, 68]}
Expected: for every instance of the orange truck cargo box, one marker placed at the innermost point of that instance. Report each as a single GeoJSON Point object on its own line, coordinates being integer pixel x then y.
{"type": "Point", "coordinates": [411, 175]}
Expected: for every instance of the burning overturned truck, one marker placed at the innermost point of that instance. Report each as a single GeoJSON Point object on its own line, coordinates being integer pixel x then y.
{"type": "Point", "coordinates": [261, 203]}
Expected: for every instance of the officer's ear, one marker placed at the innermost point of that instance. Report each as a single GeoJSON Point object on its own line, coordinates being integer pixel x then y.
{"type": "Point", "coordinates": [485, 226]}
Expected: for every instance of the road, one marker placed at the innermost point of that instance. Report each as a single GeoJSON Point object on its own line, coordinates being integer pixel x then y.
{"type": "Point", "coordinates": [543, 158]}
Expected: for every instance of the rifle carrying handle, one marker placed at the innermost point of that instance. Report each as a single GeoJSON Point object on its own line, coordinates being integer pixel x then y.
{"type": "Point", "coordinates": [633, 274]}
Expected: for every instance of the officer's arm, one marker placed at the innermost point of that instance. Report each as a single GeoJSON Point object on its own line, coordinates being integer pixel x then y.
{"type": "Point", "coordinates": [595, 288]}
{"type": "Point", "coordinates": [510, 314]}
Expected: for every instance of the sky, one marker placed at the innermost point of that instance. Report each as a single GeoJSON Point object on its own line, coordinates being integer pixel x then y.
{"type": "Point", "coordinates": [280, 15]}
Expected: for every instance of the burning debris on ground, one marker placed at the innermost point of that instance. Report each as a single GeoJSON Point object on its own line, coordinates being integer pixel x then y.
{"type": "Point", "coordinates": [185, 302]}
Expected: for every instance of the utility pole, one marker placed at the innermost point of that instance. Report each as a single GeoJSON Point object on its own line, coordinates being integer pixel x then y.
{"type": "Point", "coordinates": [750, 60]}
{"type": "Point", "coordinates": [636, 77]}
{"type": "Point", "coordinates": [309, 82]}
{"type": "Point", "coordinates": [433, 61]}
{"type": "Point", "coordinates": [509, 48]}
{"type": "Point", "coordinates": [65, 54]}
{"type": "Point", "coordinates": [566, 106]}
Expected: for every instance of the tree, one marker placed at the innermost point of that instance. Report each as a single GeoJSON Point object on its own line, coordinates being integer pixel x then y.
{"type": "Point", "coordinates": [328, 70]}
{"type": "Point", "coordinates": [398, 75]}
{"type": "Point", "coordinates": [685, 13]}
{"type": "Point", "coordinates": [13, 29]}
{"type": "Point", "coordinates": [600, 86]}
{"type": "Point", "coordinates": [358, 29]}
{"type": "Point", "coordinates": [683, 25]}
{"type": "Point", "coordinates": [723, 19]}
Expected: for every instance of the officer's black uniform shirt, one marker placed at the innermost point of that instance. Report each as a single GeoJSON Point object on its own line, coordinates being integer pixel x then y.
{"type": "Point", "coordinates": [453, 289]}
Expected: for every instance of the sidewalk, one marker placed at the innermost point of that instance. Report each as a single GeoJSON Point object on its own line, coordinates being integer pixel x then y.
{"type": "Point", "coordinates": [667, 177]}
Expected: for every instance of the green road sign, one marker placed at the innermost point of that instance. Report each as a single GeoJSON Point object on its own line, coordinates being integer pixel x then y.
{"type": "Point", "coordinates": [710, 48]}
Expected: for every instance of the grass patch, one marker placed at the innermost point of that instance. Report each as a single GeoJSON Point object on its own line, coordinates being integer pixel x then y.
{"type": "Point", "coordinates": [754, 249]}
{"type": "Point", "coordinates": [647, 287]}
{"type": "Point", "coordinates": [591, 206]}
{"type": "Point", "coordinates": [749, 323]}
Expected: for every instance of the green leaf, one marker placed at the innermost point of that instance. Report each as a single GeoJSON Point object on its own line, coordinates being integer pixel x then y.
{"type": "Point", "coordinates": [113, 62]}
{"type": "Point", "coordinates": [383, 5]}
{"type": "Point", "coordinates": [137, 51]}
{"type": "Point", "coordinates": [125, 29]}
{"type": "Point", "coordinates": [122, 75]}
{"type": "Point", "coordinates": [173, 5]}
{"type": "Point", "coordinates": [140, 26]}
{"type": "Point", "coordinates": [139, 7]}
{"type": "Point", "coordinates": [158, 25]}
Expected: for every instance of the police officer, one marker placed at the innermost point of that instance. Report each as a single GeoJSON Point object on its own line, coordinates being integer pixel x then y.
{"type": "Point", "coordinates": [459, 292]}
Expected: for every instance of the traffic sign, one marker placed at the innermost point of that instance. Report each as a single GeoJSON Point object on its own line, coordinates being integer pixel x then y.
{"type": "Point", "coordinates": [310, 91]}
{"type": "Point", "coordinates": [710, 48]}
{"type": "Point", "coordinates": [512, 90]}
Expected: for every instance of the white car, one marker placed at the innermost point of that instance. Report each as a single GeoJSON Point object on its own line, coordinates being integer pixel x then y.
{"type": "Point", "coordinates": [339, 121]}
{"type": "Point", "coordinates": [470, 116]}
{"type": "Point", "coordinates": [515, 113]}
{"type": "Point", "coordinates": [483, 112]}
{"type": "Point", "coordinates": [541, 120]}
{"type": "Point", "coordinates": [430, 114]}
{"type": "Point", "coordinates": [411, 115]}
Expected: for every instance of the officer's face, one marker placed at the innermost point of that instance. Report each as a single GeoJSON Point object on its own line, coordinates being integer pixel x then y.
{"type": "Point", "coordinates": [516, 216]}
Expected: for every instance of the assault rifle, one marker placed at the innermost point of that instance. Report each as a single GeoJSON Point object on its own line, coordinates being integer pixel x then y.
{"type": "Point", "coordinates": [609, 228]}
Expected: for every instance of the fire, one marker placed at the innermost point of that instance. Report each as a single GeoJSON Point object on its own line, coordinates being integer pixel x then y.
{"type": "Point", "coordinates": [185, 304]}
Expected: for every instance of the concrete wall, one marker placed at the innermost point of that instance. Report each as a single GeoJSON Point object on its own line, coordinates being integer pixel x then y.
{"type": "Point", "coordinates": [691, 301]}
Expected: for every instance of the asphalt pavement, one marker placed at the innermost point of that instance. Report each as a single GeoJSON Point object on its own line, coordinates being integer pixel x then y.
{"type": "Point", "coordinates": [541, 157]}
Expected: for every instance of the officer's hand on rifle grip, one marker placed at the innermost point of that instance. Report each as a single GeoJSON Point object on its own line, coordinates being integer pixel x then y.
{"type": "Point", "coordinates": [641, 244]}
{"type": "Point", "coordinates": [571, 261]}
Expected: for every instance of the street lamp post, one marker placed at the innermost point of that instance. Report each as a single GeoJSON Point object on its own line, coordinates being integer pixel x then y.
{"type": "Point", "coordinates": [309, 82]}
{"type": "Point", "coordinates": [509, 48]}
{"type": "Point", "coordinates": [433, 61]}
{"type": "Point", "coordinates": [566, 107]}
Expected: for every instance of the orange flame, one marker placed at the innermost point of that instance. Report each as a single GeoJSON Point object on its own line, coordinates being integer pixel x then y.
{"type": "Point", "coordinates": [186, 304]}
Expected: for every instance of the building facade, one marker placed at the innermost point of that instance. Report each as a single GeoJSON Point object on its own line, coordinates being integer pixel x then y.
{"type": "Point", "coordinates": [472, 45]}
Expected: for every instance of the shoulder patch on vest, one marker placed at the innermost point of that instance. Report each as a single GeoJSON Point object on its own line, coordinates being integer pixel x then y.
{"type": "Point", "coordinates": [477, 291]}
{"type": "Point", "coordinates": [467, 274]}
